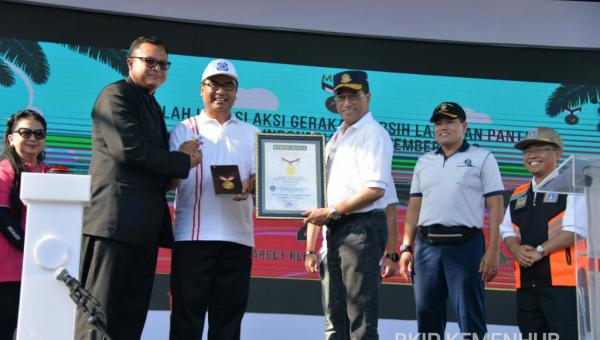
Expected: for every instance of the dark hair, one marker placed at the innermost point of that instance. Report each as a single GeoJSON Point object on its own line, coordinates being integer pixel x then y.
{"type": "Point", "coordinates": [15, 160]}
{"type": "Point", "coordinates": [150, 39]}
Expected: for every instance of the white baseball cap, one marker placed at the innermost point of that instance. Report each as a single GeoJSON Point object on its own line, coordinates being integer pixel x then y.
{"type": "Point", "coordinates": [219, 66]}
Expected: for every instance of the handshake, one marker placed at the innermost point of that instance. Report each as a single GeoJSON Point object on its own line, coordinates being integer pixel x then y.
{"type": "Point", "coordinates": [191, 148]}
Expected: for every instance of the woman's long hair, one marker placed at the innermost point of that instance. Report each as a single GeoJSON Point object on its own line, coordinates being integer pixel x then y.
{"type": "Point", "coordinates": [16, 206]}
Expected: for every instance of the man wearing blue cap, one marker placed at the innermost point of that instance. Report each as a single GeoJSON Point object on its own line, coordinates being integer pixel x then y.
{"type": "Point", "coordinates": [449, 190]}
{"type": "Point", "coordinates": [359, 160]}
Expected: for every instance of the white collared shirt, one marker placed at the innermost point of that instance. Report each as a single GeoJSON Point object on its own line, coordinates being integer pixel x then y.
{"type": "Point", "coordinates": [359, 156]}
{"type": "Point", "coordinates": [199, 213]}
{"type": "Point", "coordinates": [574, 219]}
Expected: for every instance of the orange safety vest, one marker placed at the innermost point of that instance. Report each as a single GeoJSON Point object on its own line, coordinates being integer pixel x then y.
{"type": "Point", "coordinates": [536, 218]}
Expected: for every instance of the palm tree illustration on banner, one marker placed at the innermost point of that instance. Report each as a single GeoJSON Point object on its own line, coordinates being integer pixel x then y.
{"type": "Point", "coordinates": [570, 98]}
{"type": "Point", "coordinates": [27, 60]}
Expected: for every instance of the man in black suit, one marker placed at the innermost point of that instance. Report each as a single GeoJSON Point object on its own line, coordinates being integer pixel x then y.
{"type": "Point", "coordinates": [128, 216]}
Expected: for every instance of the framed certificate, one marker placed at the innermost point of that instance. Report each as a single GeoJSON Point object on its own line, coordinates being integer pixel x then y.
{"type": "Point", "coordinates": [290, 175]}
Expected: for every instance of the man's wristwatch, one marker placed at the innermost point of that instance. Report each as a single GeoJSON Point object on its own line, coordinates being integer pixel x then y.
{"type": "Point", "coordinates": [309, 252]}
{"type": "Point", "coordinates": [540, 250]}
{"type": "Point", "coordinates": [393, 256]}
{"type": "Point", "coordinates": [333, 215]}
{"type": "Point", "coordinates": [405, 248]}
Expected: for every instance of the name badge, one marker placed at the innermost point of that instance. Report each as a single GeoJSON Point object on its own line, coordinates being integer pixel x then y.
{"type": "Point", "coordinates": [521, 202]}
{"type": "Point", "coordinates": [550, 197]}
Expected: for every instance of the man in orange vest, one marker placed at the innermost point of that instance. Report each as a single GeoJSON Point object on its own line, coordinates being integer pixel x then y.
{"type": "Point", "coordinates": [539, 230]}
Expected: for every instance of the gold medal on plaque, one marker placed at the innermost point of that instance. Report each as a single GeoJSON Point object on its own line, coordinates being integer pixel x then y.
{"type": "Point", "coordinates": [291, 169]}
{"type": "Point", "coordinates": [227, 182]}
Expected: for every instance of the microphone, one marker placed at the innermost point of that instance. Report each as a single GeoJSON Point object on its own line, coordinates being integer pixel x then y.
{"type": "Point", "coordinates": [78, 293]}
{"type": "Point", "coordinates": [86, 302]}
{"type": "Point", "coordinates": [62, 274]}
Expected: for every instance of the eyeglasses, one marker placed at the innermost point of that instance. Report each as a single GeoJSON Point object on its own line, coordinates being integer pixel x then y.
{"type": "Point", "coordinates": [351, 97]}
{"type": "Point", "coordinates": [214, 86]}
{"type": "Point", "coordinates": [151, 62]}
{"type": "Point", "coordinates": [537, 151]}
{"type": "Point", "coordinates": [26, 133]}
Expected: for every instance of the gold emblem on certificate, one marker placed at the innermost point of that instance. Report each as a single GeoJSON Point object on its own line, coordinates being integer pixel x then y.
{"type": "Point", "coordinates": [291, 165]}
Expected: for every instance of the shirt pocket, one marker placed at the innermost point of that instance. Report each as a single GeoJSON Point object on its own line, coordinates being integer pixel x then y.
{"type": "Point", "coordinates": [468, 177]}
{"type": "Point", "coordinates": [429, 181]}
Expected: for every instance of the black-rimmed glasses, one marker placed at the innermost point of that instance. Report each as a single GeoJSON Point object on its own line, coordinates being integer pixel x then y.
{"type": "Point", "coordinates": [26, 133]}
{"type": "Point", "coordinates": [151, 62]}
{"type": "Point", "coordinates": [214, 86]}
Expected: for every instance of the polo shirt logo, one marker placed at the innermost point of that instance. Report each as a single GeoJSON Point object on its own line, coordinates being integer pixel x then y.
{"type": "Point", "coordinates": [467, 163]}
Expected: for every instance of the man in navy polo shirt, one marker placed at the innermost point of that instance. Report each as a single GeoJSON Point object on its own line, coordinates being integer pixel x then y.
{"type": "Point", "coordinates": [450, 188]}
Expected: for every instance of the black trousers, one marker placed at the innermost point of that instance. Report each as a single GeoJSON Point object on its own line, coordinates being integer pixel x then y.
{"type": "Point", "coordinates": [547, 310]}
{"type": "Point", "coordinates": [9, 297]}
{"type": "Point", "coordinates": [355, 245]}
{"type": "Point", "coordinates": [213, 277]}
{"type": "Point", "coordinates": [121, 277]}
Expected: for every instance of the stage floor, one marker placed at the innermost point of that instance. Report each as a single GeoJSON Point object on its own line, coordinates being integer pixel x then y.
{"type": "Point", "coordinates": [257, 326]}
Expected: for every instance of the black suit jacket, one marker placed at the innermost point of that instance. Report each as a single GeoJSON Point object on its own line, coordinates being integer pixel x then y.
{"type": "Point", "coordinates": [131, 164]}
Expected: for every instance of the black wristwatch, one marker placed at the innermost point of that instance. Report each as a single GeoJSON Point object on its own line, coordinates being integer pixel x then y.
{"type": "Point", "coordinates": [333, 214]}
{"type": "Point", "coordinates": [309, 252]}
{"type": "Point", "coordinates": [392, 256]}
{"type": "Point", "coordinates": [405, 248]}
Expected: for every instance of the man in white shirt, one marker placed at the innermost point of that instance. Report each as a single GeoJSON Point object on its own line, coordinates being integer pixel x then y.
{"type": "Point", "coordinates": [334, 308]}
{"type": "Point", "coordinates": [359, 161]}
{"type": "Point", "coordinates": [214, 237]}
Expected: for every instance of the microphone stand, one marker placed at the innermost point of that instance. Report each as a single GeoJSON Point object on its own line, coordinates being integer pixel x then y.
{"type": "Point", "coordinates": [86, 302]}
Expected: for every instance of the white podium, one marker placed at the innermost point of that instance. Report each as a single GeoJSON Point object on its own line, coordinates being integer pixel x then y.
{"type": "Point", "coordinates": [52, 240]}
{"type": "Point", "coordinates": [581, 175]}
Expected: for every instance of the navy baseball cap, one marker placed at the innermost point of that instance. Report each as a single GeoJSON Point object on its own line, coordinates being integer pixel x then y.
{"type": "Point", "coordinates": [448, 110]}
{"type": "Point", "coordinates": [353, 79]}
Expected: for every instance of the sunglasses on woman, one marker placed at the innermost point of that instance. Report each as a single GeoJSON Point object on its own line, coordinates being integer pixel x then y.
{"type": "Point", "coordinates": [26, 133]}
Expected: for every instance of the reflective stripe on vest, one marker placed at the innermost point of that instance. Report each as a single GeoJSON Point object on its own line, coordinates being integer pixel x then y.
{"type": "Point", "coordinates": [562, 266]}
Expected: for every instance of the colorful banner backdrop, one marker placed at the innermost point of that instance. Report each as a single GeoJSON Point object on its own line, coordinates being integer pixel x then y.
{"type": "Point", "coordinates": [62, 81]}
